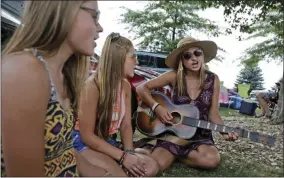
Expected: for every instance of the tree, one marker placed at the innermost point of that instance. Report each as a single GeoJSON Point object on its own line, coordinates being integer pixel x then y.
{"type": "Point", "coordinates": [163, 23]}
{"type": "Point", "coordinates": [269, 21]}
{"type": "Point", "coordinates": [260, 19]}
{"type": "Point", "coordinates": [278, 115]}
{"type": "Point", "coordinates": [251, 75]}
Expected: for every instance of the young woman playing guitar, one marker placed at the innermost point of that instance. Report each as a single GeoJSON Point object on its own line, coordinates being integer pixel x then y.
{"type": "Point", "coordinates": [190, 83]}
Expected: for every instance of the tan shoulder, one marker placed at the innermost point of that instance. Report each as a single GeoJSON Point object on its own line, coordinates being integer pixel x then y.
{"type": "Point", "coordinates": [92, 83]}
{"type": "Point", "coordinates": [21, 62]}
{"type": "Point", "coordinates": [171, 76]}
{"type": "Point", "coordinates": [24, 73]}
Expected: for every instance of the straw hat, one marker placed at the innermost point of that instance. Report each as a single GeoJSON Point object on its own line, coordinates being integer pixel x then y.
{"type": "Point", "coordinates": [209, 49]}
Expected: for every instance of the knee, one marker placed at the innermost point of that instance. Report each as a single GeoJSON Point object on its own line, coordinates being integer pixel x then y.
{"type": "Point", "coordinates": [162, 165]}
{"type": "Point", "coordinates": [152, 167]}
{"type": "Point", "coordinates": [260, 95]}
{"type": "Point", "coordinates": [210, 161]}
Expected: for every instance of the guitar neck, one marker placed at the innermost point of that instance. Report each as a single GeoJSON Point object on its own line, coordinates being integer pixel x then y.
{"type": "Point", "coordinates": [253, 136]}
{"type": "Point", "coordinates": [215, 127]}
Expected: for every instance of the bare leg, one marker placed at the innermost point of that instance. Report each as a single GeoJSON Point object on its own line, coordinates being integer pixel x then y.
{"type": "Point", "coordinates": [152, 166]}
{"type": "Point", "coordinates": [163, 157]}
{"type": "Point", "coordinates": [92, 163]}
{"type": "Point", "coordinates": [86, 169]}
{"type": "Point", "coordinates": [206, 156]}
{"type": "Point", "coordinates": [263, 104]}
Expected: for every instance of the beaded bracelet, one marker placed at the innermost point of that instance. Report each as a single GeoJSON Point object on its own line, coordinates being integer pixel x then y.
{"type": "Point", "coordinates": [122, 158]}
{"type": "Point", "coordinates": [131, 151]}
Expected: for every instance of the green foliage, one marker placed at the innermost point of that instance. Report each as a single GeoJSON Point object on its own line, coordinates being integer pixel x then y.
{"type": "Point", "coordinates": [162, 24]}
{"type": "Point", "coordinates": [270, 49]}
{"type": "Point", "coordinates": [235, 8]}
{"type": "Point", "coordinates": [260, 18]}
{"type": "Point", "coordinates": [251, 74]}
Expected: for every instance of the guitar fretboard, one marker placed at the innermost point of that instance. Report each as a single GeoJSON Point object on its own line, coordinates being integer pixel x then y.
{"type": "Point", "coordinates": [254, 136]}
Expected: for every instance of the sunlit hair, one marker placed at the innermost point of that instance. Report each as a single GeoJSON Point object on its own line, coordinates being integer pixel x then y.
{"type": "Point", "coordinates": [181, 73]}
{"type": "Point", "coordinates": [110, 75]}
{"type": "Point", "coordinates": [45, 26]}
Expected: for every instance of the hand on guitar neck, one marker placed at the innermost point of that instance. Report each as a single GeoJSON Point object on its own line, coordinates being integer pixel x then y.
{"type": "Point", "coordinates": [231, 136]}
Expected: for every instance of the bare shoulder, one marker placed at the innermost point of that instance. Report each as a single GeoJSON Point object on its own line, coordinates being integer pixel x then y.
{"type": "Point", "coordinates": [23, 70]}
{"type": "Point", "coordinates": [171, 76]}
{"type": "Point", "coordinates": [91, 87]}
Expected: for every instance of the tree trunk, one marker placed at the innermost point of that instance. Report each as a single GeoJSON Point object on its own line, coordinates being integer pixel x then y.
{"type": "Point", "coordinates": [278, 115]}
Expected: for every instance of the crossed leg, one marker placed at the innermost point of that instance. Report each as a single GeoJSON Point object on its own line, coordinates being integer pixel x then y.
{"type": "Point", "coordinates": [93, 163]}
{"type": "Point", "coordinates": [205, 156]}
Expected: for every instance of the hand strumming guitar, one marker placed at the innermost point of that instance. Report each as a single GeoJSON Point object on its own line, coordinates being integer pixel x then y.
{"type": "Point", "coordinates": [163, 114]}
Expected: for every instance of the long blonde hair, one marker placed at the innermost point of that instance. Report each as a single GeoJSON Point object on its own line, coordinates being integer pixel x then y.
{"type": "Point", "coordinates": [181, 73]}
{"type": "Point", "coordinates": [110, 74]}
{"type": "Point", "coordinates": [45, 26]}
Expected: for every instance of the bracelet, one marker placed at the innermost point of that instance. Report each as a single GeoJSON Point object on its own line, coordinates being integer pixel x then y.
{"type": "Point", "coordinates": [155, 106]}
{"type": "Point", "coordinates": [122, 158]}
{"type": "Point", "coordinates": [130, 151]}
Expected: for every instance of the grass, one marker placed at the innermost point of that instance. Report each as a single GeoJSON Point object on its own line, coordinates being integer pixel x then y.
{"type": "Point", "coordinates": [227, 168]}
{"type": "Point", "coordinates": [230, 166]}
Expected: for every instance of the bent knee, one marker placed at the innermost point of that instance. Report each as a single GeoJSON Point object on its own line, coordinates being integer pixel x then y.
{"type": "Point", "coordinates": [162, 165]}
{"type": "Point", "coordinates": [152, 168]}
{"type": "Point", "coordinates": [209, 161]}
{"type": "Point", "coordinates": [260, 95]}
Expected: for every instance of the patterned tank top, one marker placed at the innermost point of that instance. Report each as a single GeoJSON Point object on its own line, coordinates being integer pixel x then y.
{"type": "Point", "coordinates": [202, 102]}
{"type": "Point", "coordinates": [59, 123]}
{"type": "Point", "coordinates": [118, 112]}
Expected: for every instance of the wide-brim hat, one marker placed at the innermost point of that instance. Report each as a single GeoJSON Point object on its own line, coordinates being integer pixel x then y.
{"type": "Point", "coordinates": [209, 49]}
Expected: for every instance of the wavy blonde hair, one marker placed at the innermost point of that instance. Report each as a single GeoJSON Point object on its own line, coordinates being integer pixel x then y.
{"type": "Point", "coordinates": [45, 26]}
{"type": "Point", "coordinates": [181, 73]}
{"type": "Point", "coordinates": [110, 74]}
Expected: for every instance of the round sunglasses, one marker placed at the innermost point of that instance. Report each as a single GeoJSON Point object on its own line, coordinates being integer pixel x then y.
{"type": "Point", "coordinates": [196, 53]}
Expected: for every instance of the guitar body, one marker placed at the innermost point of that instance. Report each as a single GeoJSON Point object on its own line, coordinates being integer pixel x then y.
{"type": "Point", "coordinates": [149, 124]}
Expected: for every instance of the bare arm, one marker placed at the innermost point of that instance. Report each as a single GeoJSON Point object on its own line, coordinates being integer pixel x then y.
{"type": "Point", "coordinates": [126, 127]}
{"type": "Point", "coordinates": [87, 120]}
{"type": "Point", "coordinates": [144, 90]}
{"type": "Point", "coordinates": [214, 109]}
{"type": "Point", "coordinates": [24, 107]}
{"type": "Point", "coordinates": [214, 114]}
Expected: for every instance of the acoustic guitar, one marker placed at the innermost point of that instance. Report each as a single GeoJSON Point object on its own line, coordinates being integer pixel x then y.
{"type": "Point", "coordinates": [185, 122]}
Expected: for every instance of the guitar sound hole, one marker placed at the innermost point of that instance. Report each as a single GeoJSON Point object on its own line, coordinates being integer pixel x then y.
{"type": "Point", "coordinates": [176, 117]}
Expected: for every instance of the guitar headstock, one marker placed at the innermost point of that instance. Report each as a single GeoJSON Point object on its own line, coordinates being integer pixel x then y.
{"type": "Point", "coordinates": [264, 139]}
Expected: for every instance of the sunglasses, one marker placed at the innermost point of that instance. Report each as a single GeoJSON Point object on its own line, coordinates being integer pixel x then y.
{"type": "Point", "coordinates": [94, 13]}
{"type": "Point", "coordinates": [196, 53]}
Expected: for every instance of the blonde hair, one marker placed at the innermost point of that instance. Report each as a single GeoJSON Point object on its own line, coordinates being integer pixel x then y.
{"type": "Point", "coordinates": [181, 73]}
{"type": "Point", "coordinates": [45, 26]}
{"type": "Point", "coordinates": [110, 74]}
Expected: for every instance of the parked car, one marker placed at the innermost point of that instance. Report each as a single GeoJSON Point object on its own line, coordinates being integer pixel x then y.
{"type": "Point", "coordinates": [153, 61]}
{"type": "Point", "coordinates": [10, 18]}
{"type": "Point", "coordinates": [141, 75]}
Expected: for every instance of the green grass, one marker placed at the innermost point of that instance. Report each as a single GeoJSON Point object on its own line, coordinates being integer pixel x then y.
{"type": "Point", "coordinates": [227, 168]}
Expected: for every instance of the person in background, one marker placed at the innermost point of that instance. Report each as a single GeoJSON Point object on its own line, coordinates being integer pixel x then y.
{"type": "Point", "coordinates": [265, 98]}
{"type": "Point", "coordinates": [191, 84]}
{"type": "Point", "coordinates": [43, 67]}
{"type": "Point", "coordinates": [105, 110]}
